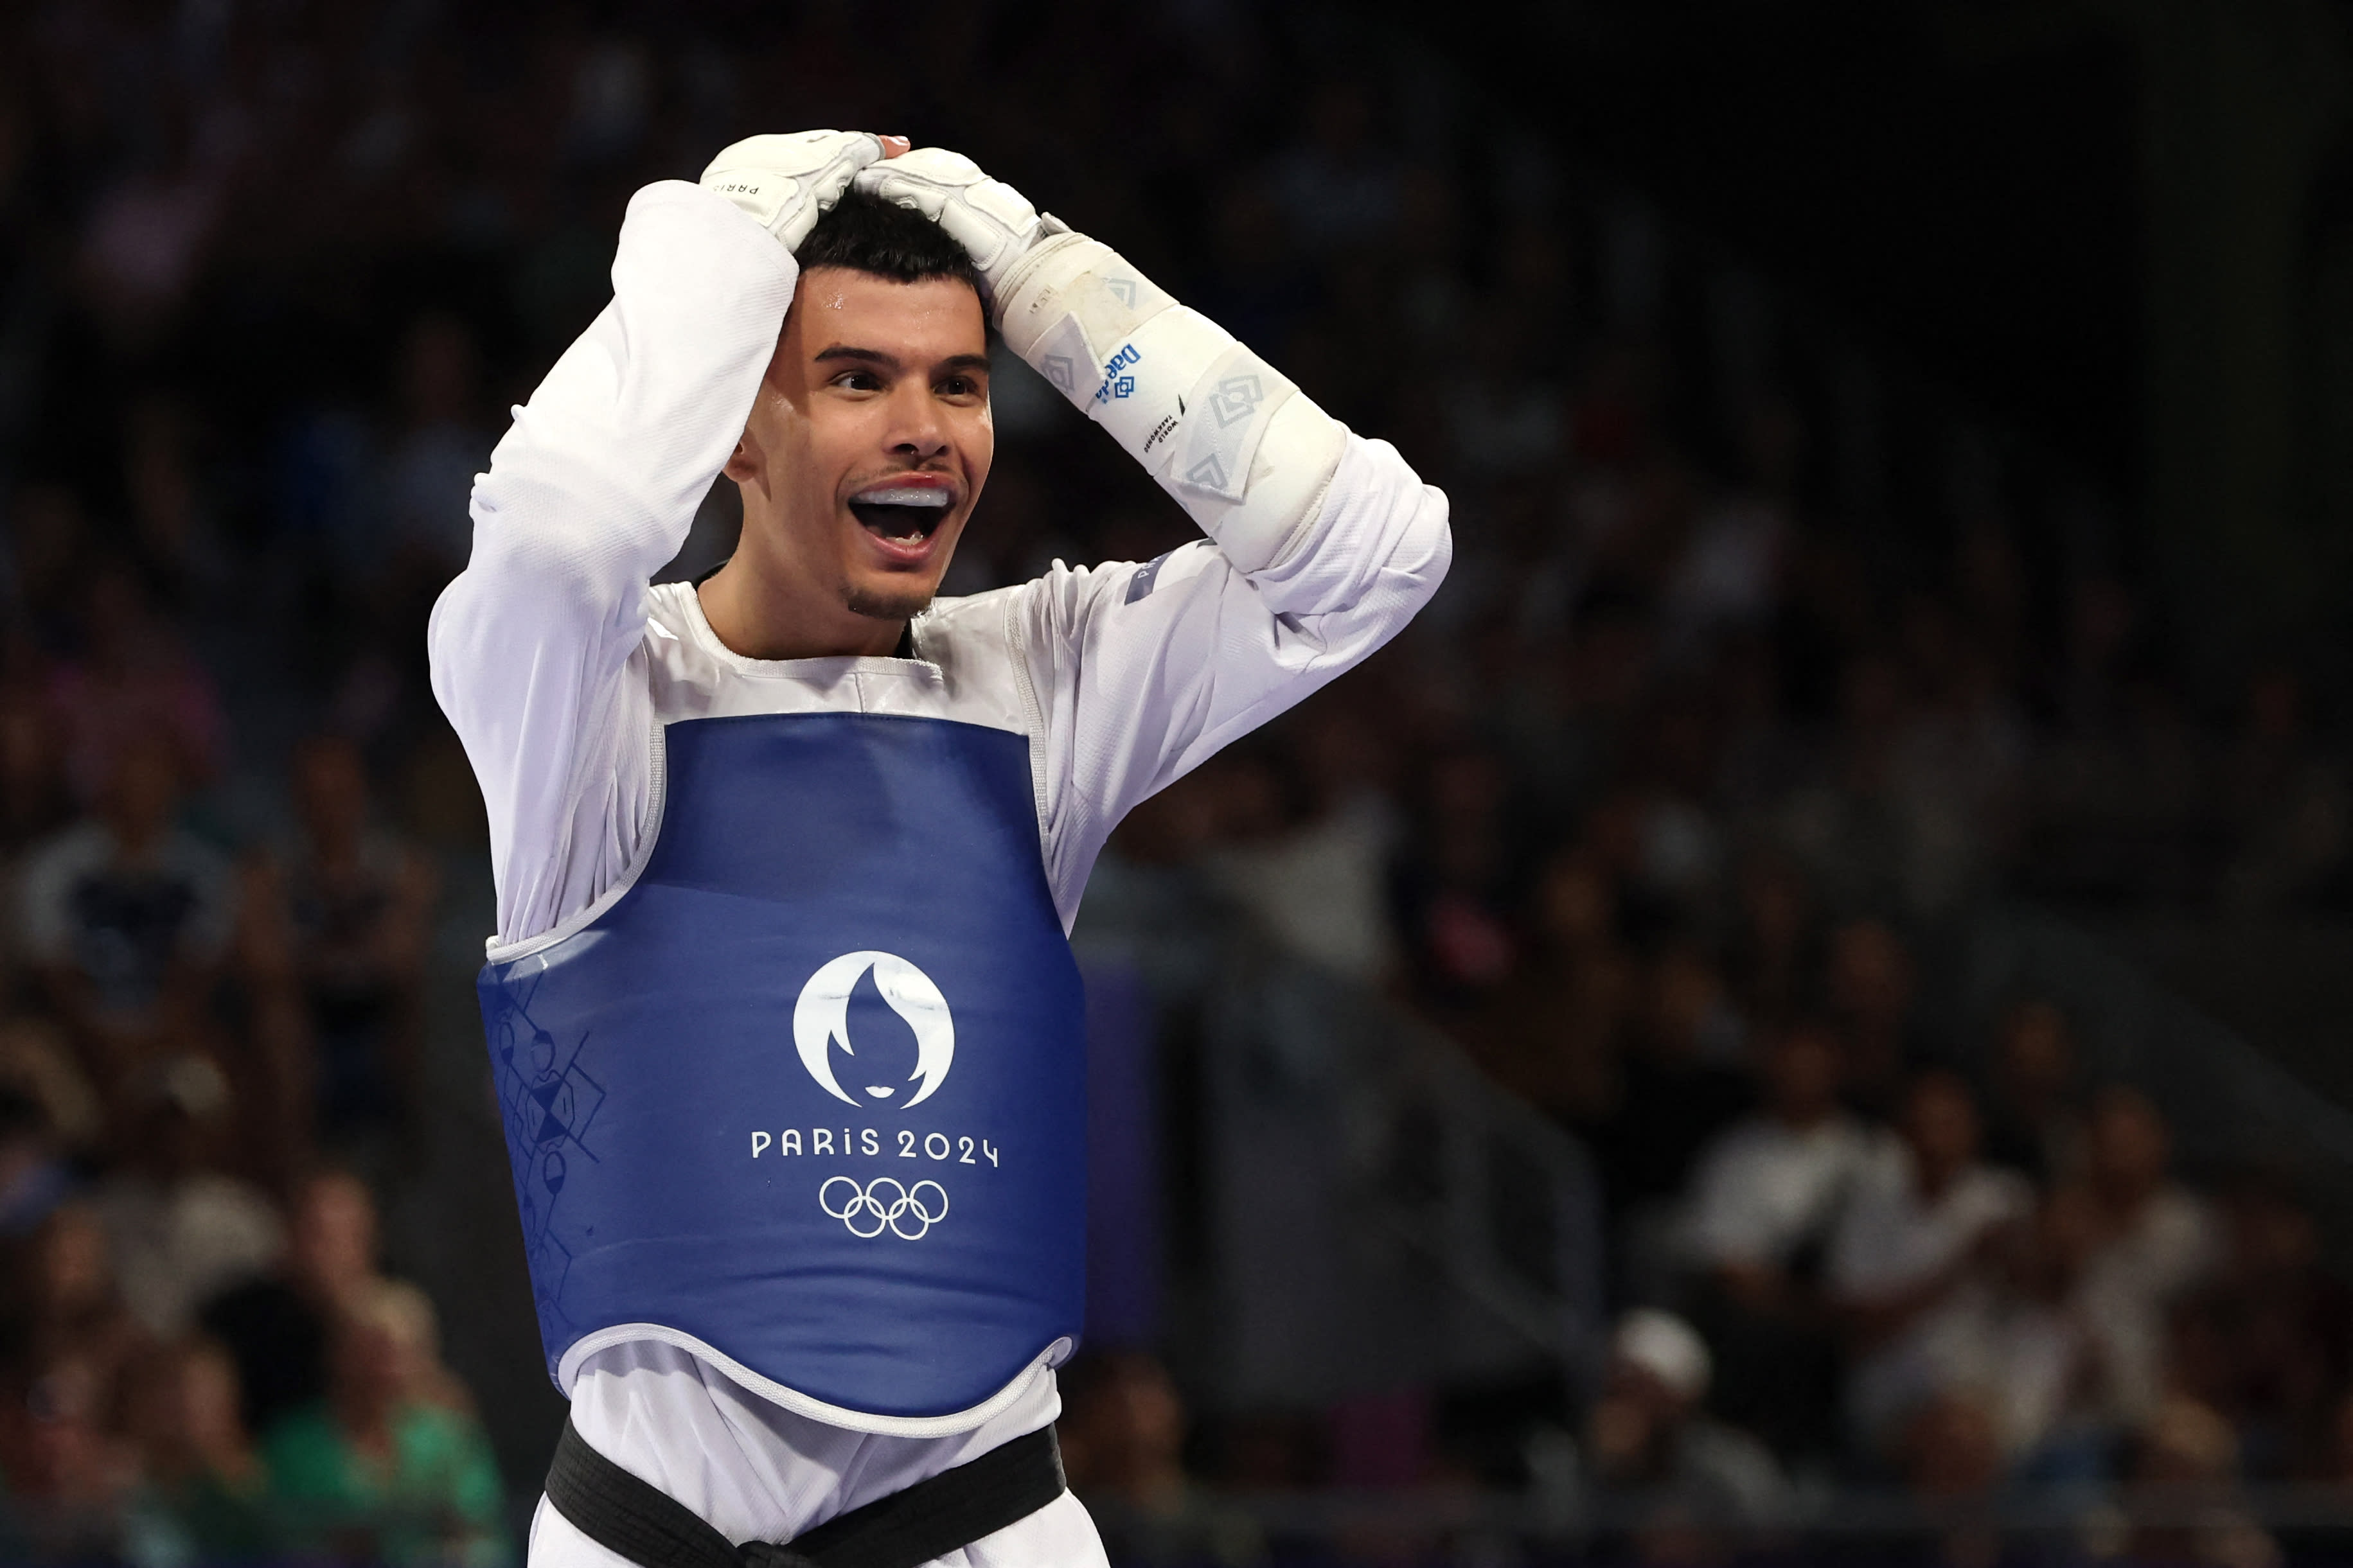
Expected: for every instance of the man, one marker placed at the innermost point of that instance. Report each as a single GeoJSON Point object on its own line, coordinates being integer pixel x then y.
{"type": "Point", "coordinates": [781, 1011]}
{"type": "Point", "coordinates": [127, 921]}
{"type": "Point", "coordinates": [1911, 1259]}
{"type": "Point", "coordinates": [276, 1327]}
{"type": "Point", "coordinates": [1650, 1442]}
{"type": "Point", "coordinates": [1763, 1199]}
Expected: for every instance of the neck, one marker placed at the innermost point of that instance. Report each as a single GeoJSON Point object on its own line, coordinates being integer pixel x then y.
{"type": "Point", "coordinates": [760, 607]}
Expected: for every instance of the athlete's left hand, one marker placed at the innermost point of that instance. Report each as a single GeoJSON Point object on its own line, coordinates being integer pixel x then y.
{"type": "Point", "coordinates": [989, 218]}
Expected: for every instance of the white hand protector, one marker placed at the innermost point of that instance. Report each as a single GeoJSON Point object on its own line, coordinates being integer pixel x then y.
{"type": "Point", "coordinates": [1245, 453]}
{"type": "Point", "coordinates": [994, 222]}
{"type": "Point", "coordinates": [786, 183]}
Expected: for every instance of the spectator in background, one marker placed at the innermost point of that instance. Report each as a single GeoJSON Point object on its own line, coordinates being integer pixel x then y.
{"type": "Point", "coordinates": [131, 687]}
{"type": "Point", "coordinates": [414, 531]}
{"type": "Point", "coordinates": [441, 444]}
{"type": "Point", "coordinates": [1455, 891]}
{"type": "Point", "coordinates": [2037, 1125]}
{"type": "Point", "coordinates": [1774, 944]}
{"type": "Point", "coordinates": [1727, 577]}
{"type": "Point", "coordinates": [2034, 1366]}
{"type": "Point", "coordinates": [1313, 872]}
{"type": "Point", "coordinates": [179, 548]}
{"type": "Point", "coordinates": [49, 542]}
{"type": "Point", "coordinates": [2337, 1460]}
{"type": "Point", "coordinates": [1648, 1440]}
{"type": "Point", "coordinates": [34, 801]}
{"type": "Point", "coordinates": [1957, 768]}
{"type": "Point", "coordinates": [63, 1303]}
{"type": "Point", "coordinates": [425, 1379]}
{"type": "Point", "coordinates": [2285, 802]}
{"type": "Point", "coordinates": [1553, 1030]}
{"type": "Point", "coordinates": [1669, 766]}
{"type": "Point", "coordinates": [34, 1176]}
{"type": "Point", "coordinates": [36, 1061]}
{"type": "Point", "coordinates": [1769, 1189]}
{"type": "Point", "coordinates": [343, 922]}
{"type": "Point", "coordinates": [1845, 827]}
{"type": "Point", "coordinates": [145, 236]}
{"type": "Point", "coordinates": [56, 1120]}
{"type": "Point", "coordinates": [1911, 1259]}
{"type": "Point", "coordinates": [2265, 1341]}
{"type": "Point", "coordinates": [61, 1460]}
{"type": "Point", "coordinates": [1254, 285]}
{"type": "Point", "coordinates": [199, 1470]}
{"type": "Point", "coordinates": [1869, 986]}
{"type": "Point", "coordinates": [2154, 1241]}
{"type": "Point", "coordinates": [127, 919]}
{"type": "Point", "coordinates": [1677, 1085]}
{"type": "Point", "coordinates": [277, 1326]}
{"type": "Point", "coordinates": [378, 1469]}
{"type": "Point", "coordinates": [2188, 1455]}
{"type": "Point", "coordinates": [1122, 1433]}
{"type": "Point", "coordinates": [1341, 186]}
{"type": "Point", "coordinates": [1762, 1205]}
{"type": "Point", "coordinates": [1951, 1462]}
{"type": "Point", "coordinates": [179, 1229]}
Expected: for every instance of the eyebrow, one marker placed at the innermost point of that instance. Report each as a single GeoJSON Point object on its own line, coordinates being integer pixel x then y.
{"type": "Point", "coordinates": [842, 350]}
{"type": "Point", "coordinates": [893, 363]}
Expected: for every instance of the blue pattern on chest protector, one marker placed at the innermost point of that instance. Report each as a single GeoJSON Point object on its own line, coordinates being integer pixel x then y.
{"type": "Point", "coordinates": [891, 1220]}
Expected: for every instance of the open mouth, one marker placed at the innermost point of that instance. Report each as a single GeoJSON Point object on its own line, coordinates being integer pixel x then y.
{"type": "Point", "coordinates": [903, 514]}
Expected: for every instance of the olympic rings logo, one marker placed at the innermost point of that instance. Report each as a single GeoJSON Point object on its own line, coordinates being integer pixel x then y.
{"type": "Point", "coordinates": [865, 1212]}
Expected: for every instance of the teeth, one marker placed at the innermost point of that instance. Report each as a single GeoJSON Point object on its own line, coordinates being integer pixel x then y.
{"type": "Point", "coordinates": [905, 495]}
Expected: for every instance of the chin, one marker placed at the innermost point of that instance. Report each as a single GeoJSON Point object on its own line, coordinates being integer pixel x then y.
{"type": "Point", "coordinates": [890, 601]}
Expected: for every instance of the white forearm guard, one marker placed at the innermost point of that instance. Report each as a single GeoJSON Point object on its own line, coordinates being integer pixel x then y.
{"type": "Point", "coordinates": [1243, 450]}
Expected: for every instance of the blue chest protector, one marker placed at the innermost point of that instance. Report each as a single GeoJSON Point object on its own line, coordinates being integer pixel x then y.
{"type": "Point", "coordinates": [811, 1092]}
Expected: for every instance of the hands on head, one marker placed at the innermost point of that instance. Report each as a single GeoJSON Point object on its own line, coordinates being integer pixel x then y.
{"type": "Point", "coordinates": [787, 182]}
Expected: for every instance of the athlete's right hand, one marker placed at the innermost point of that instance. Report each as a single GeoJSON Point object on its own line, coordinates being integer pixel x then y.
{"type": "Point", "coordinates": [786, 183]}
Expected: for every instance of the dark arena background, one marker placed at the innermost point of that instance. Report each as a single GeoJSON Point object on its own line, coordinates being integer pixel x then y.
{"type": "Point", "coordinates": [1884, 716]}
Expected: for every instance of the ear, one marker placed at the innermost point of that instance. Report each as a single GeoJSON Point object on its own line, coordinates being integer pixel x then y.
{"type": "Point", "coordinates": [739, 466]}
{"type": "Point", "coordinates": [745, 464]}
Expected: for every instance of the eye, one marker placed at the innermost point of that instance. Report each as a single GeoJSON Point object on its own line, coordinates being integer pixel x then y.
{"type": "Point", "coordinates": [858, 381]}
{"type": "Point", "coordinates": [961, 386]}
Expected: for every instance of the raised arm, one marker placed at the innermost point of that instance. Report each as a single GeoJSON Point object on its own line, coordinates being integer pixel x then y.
{"type": "Point", "coordinates": [1321, 544]}
{"type": "Point", "coordinates": [591, 492]}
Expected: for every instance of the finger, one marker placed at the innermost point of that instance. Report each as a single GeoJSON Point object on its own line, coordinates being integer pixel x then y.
{"type": "Point", "coordinates": [894, 147]}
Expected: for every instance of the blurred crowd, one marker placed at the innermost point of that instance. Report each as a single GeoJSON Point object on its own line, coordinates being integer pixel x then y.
{"type": "Point", "coordinates": [1710, 735]}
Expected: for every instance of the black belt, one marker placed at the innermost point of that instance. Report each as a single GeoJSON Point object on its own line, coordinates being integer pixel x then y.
{"type": "Point", "coordinates": [931, 1519]}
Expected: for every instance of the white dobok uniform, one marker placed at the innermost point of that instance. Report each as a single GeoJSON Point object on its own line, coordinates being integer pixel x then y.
{"type": "Point", "coordinates": [559, 665]}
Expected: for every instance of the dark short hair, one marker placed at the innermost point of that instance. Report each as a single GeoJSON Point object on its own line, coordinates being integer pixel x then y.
{"type": "Point", "coordinates": [864, 233]}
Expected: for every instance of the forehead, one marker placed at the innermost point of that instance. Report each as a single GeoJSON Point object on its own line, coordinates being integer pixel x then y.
{"type": "Point", "coordinates": [929, 320]}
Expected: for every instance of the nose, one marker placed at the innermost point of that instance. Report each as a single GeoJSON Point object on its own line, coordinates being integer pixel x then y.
{"type": "Point", "coordinates": [917, 432]}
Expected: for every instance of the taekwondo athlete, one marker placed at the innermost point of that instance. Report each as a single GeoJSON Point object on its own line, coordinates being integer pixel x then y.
{"type": "Point", "coordinates": [796, 1295]}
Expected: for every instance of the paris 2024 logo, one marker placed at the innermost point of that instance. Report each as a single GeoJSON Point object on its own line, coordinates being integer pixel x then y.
{"type": "Point", "coordinates": [904, 1207]}
{"type": "Point", "coordinates": [821, 1018]}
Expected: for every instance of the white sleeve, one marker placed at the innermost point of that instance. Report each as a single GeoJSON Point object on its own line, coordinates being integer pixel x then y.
{"type": "Point", "coordinates": [1144, 671]}
{"type": "Point", "coordinates": [588, 495]}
